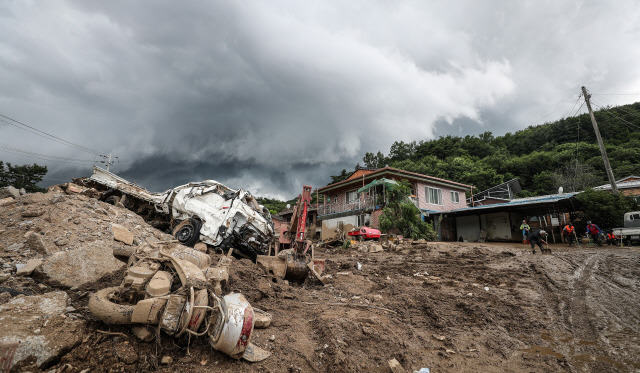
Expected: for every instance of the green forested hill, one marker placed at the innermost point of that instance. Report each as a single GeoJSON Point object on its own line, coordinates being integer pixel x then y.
{"type": "Point", "coordinates": [543, 157]}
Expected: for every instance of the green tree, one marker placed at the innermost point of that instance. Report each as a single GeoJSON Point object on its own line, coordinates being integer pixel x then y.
{"type": "Point", "coordinates": [604, 208]}
{"type": "Point", "coordinates": [402, 215]}
{"type": "Point", "coordinates": [24, 176]}
{"type": "Point", "coordinates": [338, 178]}
{"type": "Point", "coordinates": [374, 160]}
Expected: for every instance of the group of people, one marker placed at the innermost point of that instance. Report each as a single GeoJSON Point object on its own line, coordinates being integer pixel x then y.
{"type": "Point", "coordinates": [568, 232]}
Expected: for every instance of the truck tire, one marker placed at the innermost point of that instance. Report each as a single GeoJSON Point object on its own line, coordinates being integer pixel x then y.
{"type": "Point", "coordinates": [112, 200]}
{"type": "Point", "coordinates": [188, 232]}
{"type": "Point", "coordinates": [103, 309]}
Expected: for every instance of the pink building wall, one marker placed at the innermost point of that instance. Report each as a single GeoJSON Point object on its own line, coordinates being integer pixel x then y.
{"type": "Point", "coordinates": [447, 203]}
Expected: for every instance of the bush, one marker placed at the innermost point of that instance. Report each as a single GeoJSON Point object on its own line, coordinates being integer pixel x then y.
{"type": "Point", "coordinates": [402, 215]}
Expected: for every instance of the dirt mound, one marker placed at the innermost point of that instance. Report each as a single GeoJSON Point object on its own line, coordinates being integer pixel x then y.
{"type": "Point", "coordinates": [451, 307]}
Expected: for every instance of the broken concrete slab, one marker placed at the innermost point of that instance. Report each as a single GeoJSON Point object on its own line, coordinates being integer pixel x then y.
{"type": "Point", "coordinates": [38, 323]}
{"type": "Point", "coordinates": [31, 265]}
{"type": "Point", "coordinates": [122, 234]}
{"type": "Point", "coordinates": [72, 188]}
{"type": "Point", "coordinates": [78, 267]}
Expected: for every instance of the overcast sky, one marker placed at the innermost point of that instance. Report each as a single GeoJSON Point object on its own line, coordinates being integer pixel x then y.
{"type": "Point", "coordinates": [268, 95]}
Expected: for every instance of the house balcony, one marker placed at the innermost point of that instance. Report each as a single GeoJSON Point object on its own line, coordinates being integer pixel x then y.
{"type": "Point", "coordinates": [362, 204]}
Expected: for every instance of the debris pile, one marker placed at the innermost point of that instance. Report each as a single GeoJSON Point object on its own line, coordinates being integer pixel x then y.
{"type": "Point", "coordinates": [413, 304]}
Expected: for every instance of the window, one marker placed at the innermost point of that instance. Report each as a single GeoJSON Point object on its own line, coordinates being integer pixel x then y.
{"type": "Point", "coordinates": [434, 195]}
{"type": "Point", "coordinates": [352, 196]}
{"type": "Point", "coordinates": [455, 197]}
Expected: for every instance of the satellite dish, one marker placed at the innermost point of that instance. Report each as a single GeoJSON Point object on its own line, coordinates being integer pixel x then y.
{"type": "Point", "coordinates": [560, 190]}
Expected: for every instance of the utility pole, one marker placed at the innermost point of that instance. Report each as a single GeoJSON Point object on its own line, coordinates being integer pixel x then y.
{"type": "Point", "coordinates": [607, 166]}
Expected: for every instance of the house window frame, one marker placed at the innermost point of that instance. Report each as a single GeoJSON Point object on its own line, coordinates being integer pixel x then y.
{"type": "Point", "coordinates": [346, 196]}
{"type": "Point", "coordinates": [455, 196]}
{"type": "Point", "coordinates": [428, 195]}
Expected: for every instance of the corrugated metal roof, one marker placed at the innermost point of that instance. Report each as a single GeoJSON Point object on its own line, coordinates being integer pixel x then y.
{"type": "Point", "coordinates": [620, 185]}
{"type": "Point", "coordinates": [518, 202]}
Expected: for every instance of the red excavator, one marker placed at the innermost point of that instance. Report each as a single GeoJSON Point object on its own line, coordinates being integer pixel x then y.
{"type": "Point", "coordinates": [298, 262]}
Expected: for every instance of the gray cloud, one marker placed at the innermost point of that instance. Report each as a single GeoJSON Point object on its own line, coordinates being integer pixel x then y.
{"type": "Point", "coordinates": [268, 96]}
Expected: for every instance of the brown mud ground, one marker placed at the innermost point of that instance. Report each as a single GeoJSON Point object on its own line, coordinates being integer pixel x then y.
{"type": "Point", "coordinates": [452, 307]}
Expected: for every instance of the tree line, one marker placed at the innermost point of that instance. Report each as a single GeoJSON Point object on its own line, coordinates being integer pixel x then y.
{"type": "Point", "coordinates": [24, 176]}
{"type": "Point", "coordinates": [542, 157]}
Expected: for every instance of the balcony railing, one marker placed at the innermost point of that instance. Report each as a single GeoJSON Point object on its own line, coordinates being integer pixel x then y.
{"type": "Point", "coordinates": [366, 203]}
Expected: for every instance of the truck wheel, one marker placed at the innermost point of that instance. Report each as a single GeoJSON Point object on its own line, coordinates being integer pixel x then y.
{"type": "Point", "coordinates": [103, 309]}
{"type": "Point", "coordinates": [112, 200]}
{"type": "Point", "coordinates": [188, 232]}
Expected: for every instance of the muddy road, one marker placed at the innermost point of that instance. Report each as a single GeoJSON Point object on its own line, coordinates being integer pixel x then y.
{"type": "Point", "coordinates": [451, 307]}
{"type": "Point", "coordinates": [447, 306]}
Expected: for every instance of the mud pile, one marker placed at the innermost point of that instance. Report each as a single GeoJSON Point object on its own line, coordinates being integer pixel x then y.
{"type": "Point", "coordinates": [451, 307]}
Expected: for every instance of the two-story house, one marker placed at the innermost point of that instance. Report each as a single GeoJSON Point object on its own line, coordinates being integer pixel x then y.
{"type": "Point", "coordinates": [344, 208]}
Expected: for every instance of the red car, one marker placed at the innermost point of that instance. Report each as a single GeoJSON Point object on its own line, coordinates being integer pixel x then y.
{"type": "Point", "coordinates": [366, 233]}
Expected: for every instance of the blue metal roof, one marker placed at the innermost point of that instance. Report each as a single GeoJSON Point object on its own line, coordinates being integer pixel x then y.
{"type": "Point", "coordinates": [517, 202]}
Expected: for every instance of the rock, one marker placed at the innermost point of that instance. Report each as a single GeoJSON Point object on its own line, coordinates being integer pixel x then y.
{"type": "Point", "coordinates": [166, 360]}
{"type": "Point", "coordinates": [31, 265]}
{"type": "Point", "coordinates": [5, 297]}
{"type": "Point", "coordinates": [122, 234]}
{"type": "Point", "coordinates": [7, 201]}
{"type": "Point", "coordinates": [35, 243]}
{"type": "Point", "coordinates": [78, 267]}
{"type": "Point", "coordinates": [375, 248]}
{"type": "Point", "coordinates": [9, 191]}
{"type": "Point", "coordinates": [22, 191]}
{"type": "Point", "coordinates": [38, 323]}
{"type": "Point", "coordinates": [61, 242]}
{"type": "Point", "coordinates": [143, 333]}
{"type": "Point", "coordinates": [396, 367]}
{"type": "Point", "coordinates": [272, 337]}
{"type": "Point", "coordinates": [4, 277]}
{"type": "Point", "coordinates": [32, 212]}
{"type": "Point", "coordinates": [201, 246]}
{"type": "Point", "coordinates": [69, 309]}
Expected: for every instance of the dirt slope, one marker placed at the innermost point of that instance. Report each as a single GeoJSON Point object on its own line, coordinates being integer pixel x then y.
{"type": "Point", "coordinates": [452, 307]}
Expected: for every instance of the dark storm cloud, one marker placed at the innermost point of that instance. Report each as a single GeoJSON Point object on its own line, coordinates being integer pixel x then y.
{"type": "Point", "coordinates": [267, 96]}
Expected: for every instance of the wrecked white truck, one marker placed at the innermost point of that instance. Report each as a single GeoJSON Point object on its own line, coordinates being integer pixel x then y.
{"type": "Point", "coordinates": [205, 211]}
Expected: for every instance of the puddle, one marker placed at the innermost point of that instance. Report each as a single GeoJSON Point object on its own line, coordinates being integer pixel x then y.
{"type": "Point", "coordinates": [542, 351]}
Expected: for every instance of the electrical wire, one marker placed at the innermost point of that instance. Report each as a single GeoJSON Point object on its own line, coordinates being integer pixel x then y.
{"type": "Point", "coordinates": [12, 150]}
{"type": "Point", "coordinates": [46, 135]}
{"type": "Point", "coordinates": [619, 108]}
{"type": "Point", "coordinates": [624, 121]}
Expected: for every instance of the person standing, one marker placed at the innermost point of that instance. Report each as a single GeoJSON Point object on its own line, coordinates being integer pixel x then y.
{"type": "Point", "coordinates": [538, 238]}
{"type": "Point", "coordinates": [525, 228]}
{"type": "Point", "coordinates": [568, 233]}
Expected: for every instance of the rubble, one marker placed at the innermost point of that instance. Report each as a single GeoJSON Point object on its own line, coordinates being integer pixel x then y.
{"type": "Point", "coordinates": [38, 323]}
{"type": "Point", "coordinates": [10, 192]}
{"type": "Point", "coordinates": [28, 268]}
{"type": "Point", "coordinates": [122, 234]}
{"type": "Point", "coordinates": [409, 304]}
{"type": "Point", "coordinates": [77, 267]}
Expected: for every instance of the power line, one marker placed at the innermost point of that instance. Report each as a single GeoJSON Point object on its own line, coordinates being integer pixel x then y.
{"type": "Point", "coordinates": [628, 124]}
{"type": "Point", "coordinates": [619, 108]}
{"type": "Point", "coordinates": [46, 135]}
{"type": "Point", "coordinates": [51, 157]}
{"type": "Point", "coordinates": [9, 149]}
